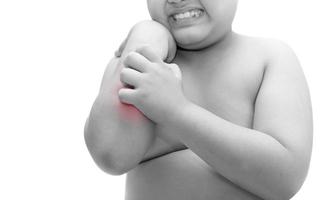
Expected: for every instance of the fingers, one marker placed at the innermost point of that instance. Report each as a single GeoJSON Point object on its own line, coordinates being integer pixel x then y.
{"type": "Point", "coordinates": [127, 95]}
{"type": "Point", "coordinates": [136, 61]}
{"type": "Point", "coordinates": [130, 77]}
{"type": "Point", "coordinates": [142, 58]}
{"type": "Point", "coordinates": [149, 53]}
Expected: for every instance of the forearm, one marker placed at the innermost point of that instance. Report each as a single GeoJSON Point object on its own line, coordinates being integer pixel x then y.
{"type": "Point", "coordinates": [254, 160]}
{"type": "Point", "coordinates": [117, 135]}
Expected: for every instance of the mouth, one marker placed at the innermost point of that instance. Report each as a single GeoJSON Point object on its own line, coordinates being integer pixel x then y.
{"type": "Point", "coordinates": [187, 15]}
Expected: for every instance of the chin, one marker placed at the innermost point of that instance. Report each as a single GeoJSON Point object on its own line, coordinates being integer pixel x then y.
{"type": "Point", "coordinates": [191, 41]}
{"type": "Point", "coordinates": [194, 43]}
{"type": "Point", "coordinates": [197, 40]}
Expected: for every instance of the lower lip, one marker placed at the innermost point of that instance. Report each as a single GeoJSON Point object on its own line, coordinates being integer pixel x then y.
{"type": "Point", "coordinates": [185, 22]}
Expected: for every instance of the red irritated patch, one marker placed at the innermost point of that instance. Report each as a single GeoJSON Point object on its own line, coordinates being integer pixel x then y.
{"type": "Point", "coordinates": [128, 111]}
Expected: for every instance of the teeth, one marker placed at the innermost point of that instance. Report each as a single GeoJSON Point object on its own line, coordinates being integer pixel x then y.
{"type": "Point", "coordinates": [188, 14]}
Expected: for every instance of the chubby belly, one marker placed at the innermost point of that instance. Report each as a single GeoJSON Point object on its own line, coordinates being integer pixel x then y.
{"type": "Point", "coordinates": [180, 175]}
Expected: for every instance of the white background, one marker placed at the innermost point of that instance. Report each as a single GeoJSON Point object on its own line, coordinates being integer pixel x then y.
{"type": "Point", "coordinates": [52, 58]}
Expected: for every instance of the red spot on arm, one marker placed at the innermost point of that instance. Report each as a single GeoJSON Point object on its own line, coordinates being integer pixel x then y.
{"type": "Point", "coordinates": [128, 111]}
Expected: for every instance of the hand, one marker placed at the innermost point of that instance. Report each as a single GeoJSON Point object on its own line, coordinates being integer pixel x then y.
{"type": "Point", "coordinates": [156, 86]}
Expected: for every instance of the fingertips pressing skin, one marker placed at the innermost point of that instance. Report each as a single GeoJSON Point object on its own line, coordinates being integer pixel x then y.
{"type": "Point", "coordinates": [126, 95]}
{"type": "Point", "coordinates": [125, 108]}
{"type": "Point", "coordinates": [130, 112]}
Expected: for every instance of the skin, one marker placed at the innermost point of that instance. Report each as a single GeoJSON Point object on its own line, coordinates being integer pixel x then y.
{"type": "Point", "coordinates": [213, 28]}
{"type": "Point", "coordinates": [232, 114]}
{"type": "Point", "coordinates": [117, 134]}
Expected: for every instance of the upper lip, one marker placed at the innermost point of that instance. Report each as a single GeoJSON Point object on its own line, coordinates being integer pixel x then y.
{"type": "Point", "coordinates": [174, 11]}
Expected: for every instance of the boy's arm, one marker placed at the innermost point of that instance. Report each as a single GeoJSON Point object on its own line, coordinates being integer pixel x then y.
{"type": "Point", "coordinates": [270, 160]}
{"type": "Point", "coordinates": [118, 135]}
{"type": "Point", "coordinates": [149, 33]}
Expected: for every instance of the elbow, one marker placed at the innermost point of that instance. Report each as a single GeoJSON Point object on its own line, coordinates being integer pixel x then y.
{"type": "Point", "coordinates": [104, 160]}
{"type": "Point", "coordinates": [289, 186]}
{"type": "Point", "coordinates": [281, 183]}
{"type": "Point", "coordinates": [285, 193]}
{"type": "Point", "coordinates": [283, 190]}
{"type": "Point", "coordinates": [111, 166]}
{"type": "Point", "coordinates": [294, 180]}
{"type": "Point", "coordinates": [107, 162]}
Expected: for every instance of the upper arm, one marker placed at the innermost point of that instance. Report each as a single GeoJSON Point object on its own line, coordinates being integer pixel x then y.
{"type": "Point", "coordinates": [111, 73]}
{"type": "Point", "coordinates": [283, 107]}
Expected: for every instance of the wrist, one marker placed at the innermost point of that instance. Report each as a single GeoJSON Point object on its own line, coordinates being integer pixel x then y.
{"type": "Point", "coordinates": [179, 113]}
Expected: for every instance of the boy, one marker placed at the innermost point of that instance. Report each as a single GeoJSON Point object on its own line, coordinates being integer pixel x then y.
{"type": "Point", "coordinates": [226, 117]}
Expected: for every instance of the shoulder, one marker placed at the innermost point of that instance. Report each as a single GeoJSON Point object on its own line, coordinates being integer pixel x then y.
{"type": "Point", "coordinates": [263, 42]}
{"type": "Point", "coordinates": [271, 50]}
{"type": "Point", "coordinates": [277, 56]}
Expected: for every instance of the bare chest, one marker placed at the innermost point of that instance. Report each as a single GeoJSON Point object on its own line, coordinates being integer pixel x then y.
{"type": "Point", "coordinates": [228, 89]}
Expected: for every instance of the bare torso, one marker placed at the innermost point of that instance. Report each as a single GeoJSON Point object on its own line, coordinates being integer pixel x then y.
{"type": "Point", "coordinates": [226, 85]}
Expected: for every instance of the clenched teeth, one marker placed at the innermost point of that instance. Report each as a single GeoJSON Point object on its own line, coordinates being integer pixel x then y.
{"type": "Point", "coordinates": [188, 14]}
